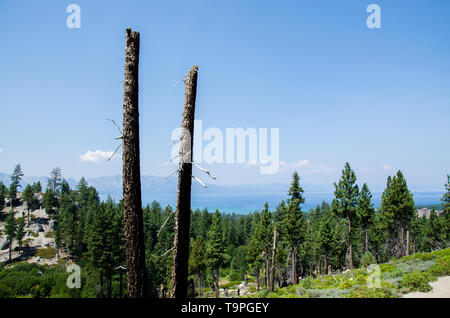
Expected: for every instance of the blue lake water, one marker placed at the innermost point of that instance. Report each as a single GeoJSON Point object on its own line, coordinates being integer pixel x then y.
{"type": "Point", "coordinates": [241, 203]}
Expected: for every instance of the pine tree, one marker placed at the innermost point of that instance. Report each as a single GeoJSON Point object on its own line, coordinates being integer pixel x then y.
{"type": "Point", "coordinates": [20, 233]}
{"type": "Point", "coordinates": [197, 262]}
{"type": "Point", "coordinates": [28, 197]}
{"type": "Point", "coordinates": [55, 180]}
{"type": "Point", "coordinates": [326, 236]}
{"type": "Point", "coordinates": [12, 193]}
{"type": "Point", "coordinates": [345, 203]}
{"type": "Point", "coordinates": [366, 212]}
{"type": "Point", "coordinates": [446, 197]}
{"type": "Point", "coordinates": [49, 201]}
{"type": "Point", "coordinates": [263, 237]}
{"type": "Point", "coordinates": [293, 223]}
{"type": "Point", "coordinates": [215, 248]}
{"type": "Point", "coordinates": [37, 187]}
{"type": "Point", "coordinates": [3, 194]}
{"type": "Point", "coordinates": [10, 229]}
{"type": "Point", "coordinates": [16, 176]}
{"type": "Point", "coordinates": [398, 209]}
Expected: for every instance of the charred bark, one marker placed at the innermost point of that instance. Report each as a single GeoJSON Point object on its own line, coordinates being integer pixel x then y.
{"type": "Point", "coordinates": [132, 204]}
{"type": "Point", "coordinates": [183, 209]}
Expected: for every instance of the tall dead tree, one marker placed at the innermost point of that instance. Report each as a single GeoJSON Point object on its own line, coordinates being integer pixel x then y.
{"type": "Point", "coordinates": [132, 204]}
{"type": "Point", "coordinates": [183, 209]}
{"type": "Point", "coordinates": [272, 269]}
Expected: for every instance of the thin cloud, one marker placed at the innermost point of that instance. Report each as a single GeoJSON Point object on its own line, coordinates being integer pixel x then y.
{"type": "Point", "coordinates": [386, 167]}
{"type": "Point", "coordinates": [1, 150]}
{"type": "Point", "coordinates": [95, 156]}
{"type": "Point", "coordinates": [306, 167]}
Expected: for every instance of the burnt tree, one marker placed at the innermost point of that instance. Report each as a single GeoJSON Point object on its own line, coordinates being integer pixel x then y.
{"type": "Point", "coordinates": [183, 209]}
{"type": "Point", "coordinates": [132, 204]}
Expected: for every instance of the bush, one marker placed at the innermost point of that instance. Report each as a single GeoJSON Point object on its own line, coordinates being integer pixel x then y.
{"type": "Point", "coordinates": [50, 234]}
{"type": "Point", "coordinates": [34, 234]}
{"type": "Point", "coordinates": [417, 281]}
{"type": "Point", "coordinates": [368, 259]}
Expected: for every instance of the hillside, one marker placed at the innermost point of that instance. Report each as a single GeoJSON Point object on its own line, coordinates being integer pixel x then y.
{"type": "Point", "coordinates": [410, 276]}
{"type": "Point", "coordinates": [38, 243]}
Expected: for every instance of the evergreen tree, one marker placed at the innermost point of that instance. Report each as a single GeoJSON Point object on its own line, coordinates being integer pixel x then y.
{"type": "Point", "coordinates": [215, 248]}
{"type": "Point", "coordinates": [197, 262]}
{"type": "Point", "coordinates": [49, 201]}
{"type": "Point", "coordinates": [446, 197]}
{"type": "Point", "coordinates": [293, 223]}
{"type": "Point", "coordinates": [55, 180]}
{"type": "Point", "coordinates": [16, 176]}
{"type": "Point", "coordinates": [326, 238]}
{"type": "Point", "coordinates": [20, 233]}
{"type": "Point", "coordinates": [10, 229]}
{"type": "Point", "coordinates": [37, 187]}
{"type": "Point", "coordinates": [263, 238]}
{"type": "Point", "coordinates": [3, 194]}
{"type": "Point", "coordinates": [12, 193]}
{"type": "Point", "coordinates": [345, 203]}
{"type": "Point", "coordinates": [366, 212]}
{"type": "Point", "coordinates": [28, 197]}
{"type": "Point", "coordinates": [398, 209]}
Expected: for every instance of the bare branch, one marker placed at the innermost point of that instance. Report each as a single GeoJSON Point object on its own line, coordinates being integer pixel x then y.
{"type": "Point", "coordinates": [114, 152]}
{"type": "Point", "coordinates": [164, 179]}
{"type": "Point", "coordinates": [120, 130]}
{"type": "Point", "coordinates": [199, 181]}
{"type": "Point", "coordinates": [165, 223]}
{"type": "Point", "coordinates": [168, 251]}
{"type": "Point", "coordinates": [205, 171]}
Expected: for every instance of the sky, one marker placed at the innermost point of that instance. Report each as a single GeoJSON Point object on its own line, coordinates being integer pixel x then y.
{"type": "Point", "coordinates": [337, 90]}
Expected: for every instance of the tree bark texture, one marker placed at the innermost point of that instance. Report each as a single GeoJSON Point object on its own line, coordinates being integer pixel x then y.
{"type": "Point", "coordinates": [183, 209]}
{"type": "Point", "coordinates": [132, 204]}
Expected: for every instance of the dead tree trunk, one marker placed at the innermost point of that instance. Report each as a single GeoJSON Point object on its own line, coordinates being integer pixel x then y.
{"type": "Point", "coordinates": [183, 210]}
{"type": "Point", "coordinates": [132, 204]}
{"type": "Point", "coordinates": [350, 252]}
{"type": "Point", "coordinates": [407, 242]}
{"type": "Point", "coordinates": [272, 269]}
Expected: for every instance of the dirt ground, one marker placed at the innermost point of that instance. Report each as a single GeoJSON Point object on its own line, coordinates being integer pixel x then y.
{"type": "Point", "coordinates": [441, 289]}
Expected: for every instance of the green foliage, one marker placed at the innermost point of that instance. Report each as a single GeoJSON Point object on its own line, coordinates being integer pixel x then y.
{"type": "Point", "coordinates": [3, 195]}
{"type": "Point", "coordinates": [368, 259]}
{"type": "Point", "coordinates": [417, 281]}
{"type": "Point", "coordinates": [48, 252]}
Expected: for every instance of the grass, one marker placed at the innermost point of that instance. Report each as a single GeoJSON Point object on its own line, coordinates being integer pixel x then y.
{"type": "Point", "coordinates": [48, 252]}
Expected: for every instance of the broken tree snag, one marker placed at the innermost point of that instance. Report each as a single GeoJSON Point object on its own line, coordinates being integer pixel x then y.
{"type": "Point", "coordinates": [132, 205]}
{"type": "Point", "coordinates": [183, 210]}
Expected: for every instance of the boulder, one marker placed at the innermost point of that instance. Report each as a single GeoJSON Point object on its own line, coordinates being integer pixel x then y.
{"type": "Point", "coordinates": [4, 244]}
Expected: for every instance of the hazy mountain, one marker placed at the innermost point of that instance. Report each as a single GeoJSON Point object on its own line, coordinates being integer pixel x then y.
{"type": "Point", "coordinates": [227, 198]}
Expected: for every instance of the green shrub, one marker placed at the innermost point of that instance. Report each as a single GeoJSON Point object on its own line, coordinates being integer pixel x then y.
{"type": "Point", "coordinates": [416, 281]}
{"type": "Point", "coordinates": [49, 234]}
{"type": "Point", "coordinates": [387, 267]}
{"type": "Point", "coordinates": [34, 234]}
{"type": "Point", "coordinates": [368, 259]}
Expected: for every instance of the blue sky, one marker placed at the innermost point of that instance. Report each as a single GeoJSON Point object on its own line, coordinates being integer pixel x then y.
{"type": "Point", "coordinates": [337, 90]}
